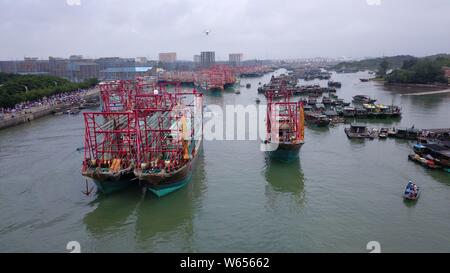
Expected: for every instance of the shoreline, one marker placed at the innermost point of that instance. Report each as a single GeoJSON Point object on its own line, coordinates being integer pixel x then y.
{"type": "Point", "coordinates": [38, 112]}
{"type": "Point", "coordinates": [413, 85]}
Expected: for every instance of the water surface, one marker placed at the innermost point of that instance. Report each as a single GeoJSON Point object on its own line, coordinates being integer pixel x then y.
{"type": "Point", "coordinates": [338, 196]}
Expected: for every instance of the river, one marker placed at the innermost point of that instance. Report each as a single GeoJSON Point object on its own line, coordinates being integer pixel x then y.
{"type": "Point", "coordinates": [337, 197]}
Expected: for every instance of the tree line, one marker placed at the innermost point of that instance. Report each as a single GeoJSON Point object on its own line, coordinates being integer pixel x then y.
{"type": "Point", "coordinates": [419, 71]}
{"type": "Point", "coordinates": [16, 88]}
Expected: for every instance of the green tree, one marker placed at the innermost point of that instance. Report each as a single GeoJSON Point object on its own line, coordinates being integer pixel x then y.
{"type": "Point", "coordinates": [383, 68]}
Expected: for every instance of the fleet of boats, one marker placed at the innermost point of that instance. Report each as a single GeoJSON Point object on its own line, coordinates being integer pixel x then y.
{"type": "Point", "coordinates": [150, 136]}
{"type": "Point", "coordinates": [143, 135]}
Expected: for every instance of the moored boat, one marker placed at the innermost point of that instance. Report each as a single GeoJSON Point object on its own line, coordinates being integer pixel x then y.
{"type": "Point", "coordinates": [363, 99]}
{"type": "Point", "coordinates": [109, 150]}
{"type": "Point", "coordinates": [169, 143]}
{"type": "Point", "coordinates": [317, 119]}
{"type": "Point", "coordinates": [383, 133]}
{"type": "Point", "coordinates": [357, 131]}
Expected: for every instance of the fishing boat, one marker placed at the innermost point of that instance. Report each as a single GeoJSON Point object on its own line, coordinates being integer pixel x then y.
{"type": "Point", "coordinates": [326, 101]}
{"type": "Point", "coordinates": [383, 133]}
{"type": "Point", "coordinates": [312, 101]}
{"type": "Point", "coordinates": [285, 129]}
{"type": "Point", "coordinates": [363, 99]}
{"type": "Point", "coordinates": [317, 119]}
{"type": "Point", "coordinates": [334, 84]}
{"type": "Point", "coordinates": [424, 161]}
{"type": "Point", "coordinates": [412, 191]}
{"type": "Point", "coordinates": [357, 131]}
{"type": "Point", "coordinates": [169, 142]}
{"type": "Point", "coordinates": [349, 111]}
{"type": "Point", "coordinates": [109, 150]}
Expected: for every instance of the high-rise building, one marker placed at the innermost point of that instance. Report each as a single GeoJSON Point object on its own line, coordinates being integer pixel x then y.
{"type": "Point", "coordinates": [235, 58]}
{"type": "Point", "coordinates": [169, 57]}
{"type": "Point", "coordinates": [207, 58]}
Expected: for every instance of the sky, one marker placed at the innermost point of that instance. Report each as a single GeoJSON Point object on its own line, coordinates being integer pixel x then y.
{"type": "Point", "coordinates": [263, 29]}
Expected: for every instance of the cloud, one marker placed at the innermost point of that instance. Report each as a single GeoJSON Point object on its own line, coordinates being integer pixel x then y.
{"type": "Point", "coordinates": [257, 28]}
{"type": "Point", "coordinates": [73, 2]}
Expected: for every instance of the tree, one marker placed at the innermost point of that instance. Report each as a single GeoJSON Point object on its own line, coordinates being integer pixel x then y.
{"type": "Point", "coordinates": [383, 68]}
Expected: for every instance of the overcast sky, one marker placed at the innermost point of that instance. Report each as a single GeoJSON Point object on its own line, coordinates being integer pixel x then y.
{"type": "Point", "coordinates": [257, 28]}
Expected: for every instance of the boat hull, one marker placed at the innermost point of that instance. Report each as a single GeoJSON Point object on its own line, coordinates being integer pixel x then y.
{"type": "Point", "coordinates": [286, 152]}
{"type": "Point", "coordinates": [108, 183]}
{"type": "Point", "coordinates": [108, 187]}
{"type": "Point", "coordinates": [171, 185]}
{"type": "Point", "coordinates": [162, 185]}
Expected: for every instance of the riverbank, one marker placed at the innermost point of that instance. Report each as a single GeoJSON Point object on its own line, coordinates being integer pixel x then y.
{"type": "Point", "coordinates": [28, 115]}
{"type": "Point", "coordinates": [417, 85]}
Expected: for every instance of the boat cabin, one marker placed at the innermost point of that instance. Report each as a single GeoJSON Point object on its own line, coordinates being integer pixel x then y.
{"type": "Point", "coordinates": [358, 129]}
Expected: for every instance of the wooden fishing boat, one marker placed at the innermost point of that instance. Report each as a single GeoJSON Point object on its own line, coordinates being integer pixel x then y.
{"type": "Point", "coordinates": [357, 131]}
{"type": "Point", "coordinates": [383, 133]}
{"type": "Point", "coordinates": [317, 119]}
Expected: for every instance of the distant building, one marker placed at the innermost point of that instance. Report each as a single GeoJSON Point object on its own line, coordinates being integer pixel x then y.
{"type": "Point", "coordinates": [141, 60]}
{"type": "Point", "coordinates": [76, 57]}
{"type": "Point", "coordinates": [197, 59]}
{"type": "Point", "coordinates": [169, 57]}
{"type": "Point", "coordinates": [79, 71]}
{"type": "Point", "coordinates": [27, 66]}
{"type": "Point", "coordinates": [115, 62]}
{"type": "Point", "coordinates": [126, 73]}
{"type": "Point", "coordinates": [207, 58]}
{"type": "Point", "coordinates": [235, 59]}
{"type": "Point", "coordinates": [58, 67]}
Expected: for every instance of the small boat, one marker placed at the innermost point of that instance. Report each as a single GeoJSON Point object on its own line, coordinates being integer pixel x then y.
{"type": "Point", "coordinates": [248, 85]}
{"type": "Point", "coordinates": [425, 161]}
{"type": "Point", "coordinates": [326, 100]}
{"type": "Point", "coordinates": [391, 132]}
{"type": "Point", "coordinates": [349, 111]}
{"type": "Point", "coordinates": [364, 80]}
{"type": "Point", "coordinates": [237, 91]}
{"type": "Point", "coordinates": [334, 84]}
{"type": "Point", "coordinates": [357, 131]}
{"type": "Point", "coordinates": [312, 101]}
{"type": "Point", "coordinates": [317, 119]}
{"type": "Point", "coordinates": [383, 133]}
{"type": "Point", "coordinates": [412, 191]}
{"type": "Point", "coordinates": [258, 100]}
{"type": "Point", "coordinates": [363, 99]}
{"type": "Point", "coordinates": [72, 111]}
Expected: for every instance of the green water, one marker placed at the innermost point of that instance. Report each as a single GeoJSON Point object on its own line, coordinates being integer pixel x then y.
{"type": "Point", "coordinates": [337, 197]}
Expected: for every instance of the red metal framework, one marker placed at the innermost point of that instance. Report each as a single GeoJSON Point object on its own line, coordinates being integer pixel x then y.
{"type": "Point", "coordinates": [286, 118]}
{"type": "Point", "coordinates": [165, 131]}
{"type": "Point", "coordinates": [118, 96]}
{"type": "Point", "coordinates": [140, 124]}
{"type": "Point", "coordinates": [109, 136]}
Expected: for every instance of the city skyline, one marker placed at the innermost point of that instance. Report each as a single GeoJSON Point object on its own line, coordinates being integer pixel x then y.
{"type": "Point", "coordinates": [259, 29]}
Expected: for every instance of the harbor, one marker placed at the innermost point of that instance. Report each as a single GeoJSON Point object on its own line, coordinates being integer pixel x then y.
{"type": "Point", "coordinates": [332, 198]}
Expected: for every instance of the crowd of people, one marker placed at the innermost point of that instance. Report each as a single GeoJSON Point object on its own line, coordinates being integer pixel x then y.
{"type": "Point", "coordinates": [27, 107]}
